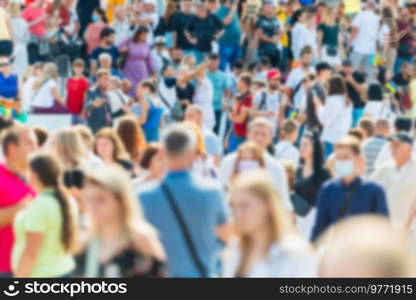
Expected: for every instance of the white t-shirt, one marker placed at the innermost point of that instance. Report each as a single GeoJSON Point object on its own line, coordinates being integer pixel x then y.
{"type": "Point", "coordinates": [299, 39]}
{"type": "Point", "coordinates": [272, 103]}
{"type": "Point", "coordinates": [204, 97]}
{"type": "Point", "coordinates": [377, 109]}
{"type": "Point", "coordinates": [293, 80]}
{"type": "Point", "coordinates": [273, 166]}
{"type": "Point", "coordinates": [368, 24]}
{"type": "Point", "coordinates": [43, 98]}
{"type": "Point", "coordinates": [285, 150]}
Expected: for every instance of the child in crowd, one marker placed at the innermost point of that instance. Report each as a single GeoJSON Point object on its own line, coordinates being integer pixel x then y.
{"type": "Point", "coordinates": [285, 149]}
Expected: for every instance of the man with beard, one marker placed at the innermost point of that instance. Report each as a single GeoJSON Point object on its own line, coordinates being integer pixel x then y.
{"type": "Point", "coordinates": [106, 46]}
{"type": "Point", "coordinates": [267, 103]}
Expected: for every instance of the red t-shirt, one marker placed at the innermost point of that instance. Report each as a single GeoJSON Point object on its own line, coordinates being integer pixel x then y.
{"type": "Point", "coordinates": [63, 13]}
{"type": "Point", "coordinates": [31, 14]}
{"type": "Point", "coordinates": [12, 190]}
{"type": "Point", "coordinates": [240, 130]}
{"type": "Point", "coordinates": [76, 89]}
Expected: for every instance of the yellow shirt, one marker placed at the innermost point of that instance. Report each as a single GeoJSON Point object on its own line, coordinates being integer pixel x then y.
{"type": "Point", "coordinates": [352, 6]}
{"type": "Point", "coordinates": [4, 32]}
{"type": "Point", "coordinates": [111, 8]}
{"type": "Point", "coordinates": [284, 38]}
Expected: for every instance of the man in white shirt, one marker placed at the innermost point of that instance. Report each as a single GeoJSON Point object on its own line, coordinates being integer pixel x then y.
{"type": "Point", "coordinates": [364, 36]}
{"type": "Point", "coordinates": [260, 131]}
{"type": "Point", "coordinates": [285, 150]}
{"type": "Point", "coordinates": [299, 35]}
{"type": "Point", "coordinates": [398, 177]}
{"type": "Point", "coordinates": [296, 78]}
{"type": "Point", "coordinates": [268, 103]}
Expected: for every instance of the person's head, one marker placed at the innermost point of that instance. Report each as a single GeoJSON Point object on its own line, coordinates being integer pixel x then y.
{"type": "Point", "coordinates": [5, 66]}
{"type": "Point", "coordinates": [105, 61]}
{"type": "Point", "coordinates": [258, 85]}
{"type": "Point", "coordinates": [132, 137]}
{"type": "Point", "coordinates": [347, 66]}
{"type": "Point", "coordinates": [108, 146]}
{"type": "Point", "coordinates": [14, 9]}
{"type": "Point", "coordinates": [99, 15]}
{"type": "Point", "coordinates": [311, 149]}
{"type": "Point", "coordinates": [260, 131]}
{"type": "Point", "coordinates": [289, 130]}
{"type": "Point", "coordinates": [194, 114]}
{"type": "Point", "coordinates": [375, 92]}
{"type": "Point", "coordinates": [46, 173]}
{"type": "Point", "coordinates": [406, 69]}
{"type": "Point", "coordinates": [160, 44]}
{"type": "Point", "coordinates": [310, 19]}
{"type": "Point", "coordinates": [140, 35]}
{"type": "Point", "coordinates": [69, 147]}
{"type": "Point", "coordinates": [370, 5]}
{"type": "Point", "coordinates": [78, 67]}
{"type": "Point", "coordinates": [336, 86]}
{"type": "Point", "coordinates": [238, 67]}
{"type": "Point", "coordinates": [328, 16]}
{"type": "Point", "coordinates": [357, 133]}
{"type": "Point", "coordinates": [306, 56]}
{"type": "Point", "coordinates": [269, 8]}
{"type": "Point", "coordinates": [107, 36]}
{"type": "Point", "coordinates": [347, 157]}
{"type": "Point", "coordinates": [200, 141]}
{"type": "Point", "coordinates": [42, 135]}
{"type": "Point", "coordinates": [249, 158]}
{"type": "Point", "coordinates": [273, 79]}
{"type": "Point", "coordinates": [403, 124]}
{"type": "Point", "coordinates": [264, 63]}
{"type": "Point", "coordinates": [120, 13]}
{"type": "Point", "coordinates": [201, 10]}
{"type": "Point", "coordinates": [18, 142]}
{"type": "Point", "coordinates": [49, 71]}
{"type": "Point", "coordinates": [401, 145]}
{"type": "Point", "coordinates": [187, 6]}
{"type": "Point", "coordinates": [180, 144]}
{"type": "Point", "coordinates": [103, 79]}
{"type": "Point", "coordinates": [111, 201]}
{"type": "Point", "coordinates": [149, 87]}
{"type": "Point", "coordinates": [115, 83]}
{"type": "Point", "coordinates": [149, 6]}
{"type": "Point", "coordinates": [213, 62]}
{"type": "Point", "coordinates": [86, 135]}
{"type": "Point", "coordinates": [367, 126]}
{"type": "Point", "coordinates": [257, 209]}
{"type": "Point", "coordinates": [299, 16]}
{"type": "Point", "coordinates": [153, 159]}
{"type": "Point", "coordinates": [323, 71]}
{"type": "Point", "coordinates": [365, 246]}
{"type": "Point", "coordinates": [244, 83]}
{"type": "Point", "coordinates": [382, 127]}
{"type": "Point", "coordinates": [176, 55]}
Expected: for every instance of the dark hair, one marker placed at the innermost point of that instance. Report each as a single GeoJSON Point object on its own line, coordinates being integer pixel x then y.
{"type": "Point", "coordinates": [375, 92]}
{"type": "Point", "coordinates": [317, 153]}
{"type": "Point", "coordinates": [150, 85]}
{"type": "Point", "coordinates": [264, 61]}
{"type": "Point", "coordinates": [403, 124]}
{"type": "Point", "coordinates": [238, 64]}
{"type": "Point", "coordinates": [247, 79]}
{"type": "Point", "coordinates": [306, 50]}
{"type": "Point", "coordinates": [322, 66]}
{"type": "Point", "coordinates": [357, 133]}
{"type": "Point", "coordinates": [251, 67]}
{"type": "Point", "coordinates": [140, 30]}
{"type": "Point", "coordinates": [41, 135]}
{"type": "Point", "coordinates": [148, 154]}
{"type": "Point", "coordinates": [102, 14]}
{"type": "Point", "coordinates": [214, 56]}
{"type": "Point", "coordinates": [106, 32]}
{"type": "Point", "coordinates": [336, 86]}
{"type": "Point", "coordinates": [367, 125]}
{"type": "Point", "coordinates": [49, 172]}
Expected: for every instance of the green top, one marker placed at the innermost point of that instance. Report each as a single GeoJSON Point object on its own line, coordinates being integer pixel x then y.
{"type": "Point", "coordinates": [44, 216]}
{"type": "Point", "coordinates": [329, 34]}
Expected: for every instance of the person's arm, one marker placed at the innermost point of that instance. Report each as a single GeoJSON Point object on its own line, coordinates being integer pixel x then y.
{"type": "Point", "coordinates": [144, 111]}
{"type": "Point", "coordinates": [264, 38]}
{"type": "Point", "coordinates": [149, 244]}
{"type": "Point", "coordinates": [7, 214]}
{"type": "Point", "coordinates": [412, 215]}
{"type": "Point", "coordinates": [93, 67]}
{"type": "Point", "coordinates": [29, 255]}
{"type": "Point", "coordinates": [57, 96]}
{"type": "Point", "coordinates": [191, 39]}
{"type": "Point", "coordinates": [239, 118]}
{"type": "Point", "coordinates": [381, 202]}
{"type": "Point", "coordinates": [229, 17]}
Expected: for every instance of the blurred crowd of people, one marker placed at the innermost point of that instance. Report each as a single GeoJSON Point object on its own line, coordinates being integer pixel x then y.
{"type": "Point", "coordinates": [223, 138]}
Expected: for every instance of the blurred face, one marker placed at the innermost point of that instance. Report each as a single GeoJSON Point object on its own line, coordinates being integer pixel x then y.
{"type": "Point", "coordinates": [104, 81]}
{"type": "Point", "coordinates": [21, 151]}
{"type": "Point", "coordinates": [407, 69]}
{"type": "Point", "coordinates": [186, 5]}
{"type": "Point", "coordinates": [348, 69]}
{"type": "Point", "coordinates": [202, 12]}
{"type": "Point", "coordinates": [105, 148]}
{"type": "Point", "coordinates": [5, 66]}
{"type": "Point", "coordinates": [177, 55]}
{"type": "Point", "coordinates": [34, 180]}
{"type": "Point", "coordinates": [102, 204]}
{"type": "Point", "coordinates": [78, 70]}
{"type": "Point", "coordinates": [260, 135]}
{"type": "Point", "coordinates": [143, 37]}
{"type": "Point", "coordinates": [148, 7]}
{"type": "Point", "coordinates": [325, 74]}
{"type": "Point", "coordinates": [250, 213]}
{"type": "Point", "coordinates": [247, 155]}
{"type": "Point", "coordinates": [242, 86]}
{"type": "Point", "coordinates": [274, 83]}
{"type": "Point", "coordinates": [193, 116]}
{"type": "Point", "coordinates": [269, 10]}
{"type": "Point", "coordinates": [306, 148]}
{"type": "Point", "coordinates": [402, 152]}
{"type": "Point", "coordinates": [110, 39]}
{"type": "Point", "coordinates": [345, 162]}
{"type": "Point", "coordinates": [213, 64]}
{"type": "Point", "coordinates": [306, 59]}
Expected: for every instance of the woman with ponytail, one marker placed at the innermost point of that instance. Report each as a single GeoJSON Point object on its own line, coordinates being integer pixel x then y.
{"type": "Point", "coordinates": [46, 231]}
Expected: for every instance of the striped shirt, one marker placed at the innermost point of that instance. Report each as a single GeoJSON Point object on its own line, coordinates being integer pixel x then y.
{"type": "Point", "coordinates": [371, 149]}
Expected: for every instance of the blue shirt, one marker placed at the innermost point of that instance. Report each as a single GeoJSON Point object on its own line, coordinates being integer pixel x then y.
{"type": "Point", "coordinates": [232, 33]}
{"type": "Point", "coordinates": [369, 198]}
{"type": "Point", "coordinates": [220, 84]}
{"type": "Point", "coordinates": [202, 205]}
{"type": "Point", "coordinates": [9, 86]}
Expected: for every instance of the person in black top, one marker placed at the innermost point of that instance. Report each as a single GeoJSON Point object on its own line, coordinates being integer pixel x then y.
{"type": "Point", "coordinates": [107, 36]}
{"type": "Point", "coordinates": [85, 10]}
{"type": "Point", "coordinates": [311, 174]}
{"type": "Point", "coordinates": [268, 33]}
{"type": "Point", "coordinates": [203, 30]}
{"type": "Point", "coordinates": [180, 21]}
{"type": "Point", "coordinates": [356, 87]}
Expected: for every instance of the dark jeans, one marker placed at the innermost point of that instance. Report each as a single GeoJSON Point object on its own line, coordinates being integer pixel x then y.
{"type": "Point", "coordinates": [218, 114]}
{"type": "Point", "coordinates": [228, 55]}
{"type": "Point", "coordinates": [272, 53]}
{"type": "Point", "coordinates": [6, 47]}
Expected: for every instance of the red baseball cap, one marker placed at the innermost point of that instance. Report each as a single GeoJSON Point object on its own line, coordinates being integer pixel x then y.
{"type": "Point", "coordinates": [273, 73]}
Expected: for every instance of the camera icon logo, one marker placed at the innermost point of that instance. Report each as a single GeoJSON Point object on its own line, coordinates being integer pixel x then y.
{"type": "Point", "coordinates": [11, 290]}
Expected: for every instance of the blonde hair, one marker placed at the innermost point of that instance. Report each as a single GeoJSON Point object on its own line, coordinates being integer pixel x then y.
{"type": "Point", "coordinates": [110, 134]}
{"type": "Point", "coordinates": [327, 16]}
{"type": "Point", "coordinates": [118, 183]}
{"type": "Point", "coordinates": [71, 149]}
{"type": "Point", "coordinates": [200, 142]}
{"type": "Point", "coordinates": [14, 10]}
{"type": "Point", "coordinates": [259, 184]}
{"type": "Point", "coordinates": [255, 149]}
{"type": "Point", "coordinates": [50, 71]}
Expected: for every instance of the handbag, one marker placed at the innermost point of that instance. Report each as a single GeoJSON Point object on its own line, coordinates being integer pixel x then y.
{"type": "Point", "coordinates": [176, 111]}
{"type": "Point", "coordinates": [185, 232]}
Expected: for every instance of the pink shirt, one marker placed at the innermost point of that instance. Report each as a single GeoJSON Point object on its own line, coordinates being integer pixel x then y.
{"type": "Point", "coordinates": [92, 36]}
{"type": "Point", "coordinates": [31, 14]}
{"type": "Point", "coordinates": [12, 190]}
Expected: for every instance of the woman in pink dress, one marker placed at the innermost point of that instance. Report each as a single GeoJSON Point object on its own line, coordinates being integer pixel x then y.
{"type": "Point", "coordinates": [138, 64]}
{"type": "Point", "coordinates": [92, 34]}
